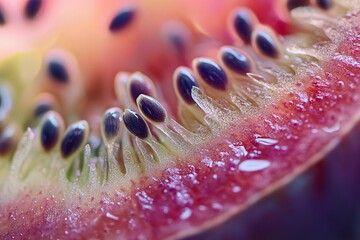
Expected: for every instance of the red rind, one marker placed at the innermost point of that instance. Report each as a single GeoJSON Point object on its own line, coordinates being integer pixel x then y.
{"type": "Point", "coordinates": [322, 203]}
{"type": "Point", "coordinates": [189, 197]}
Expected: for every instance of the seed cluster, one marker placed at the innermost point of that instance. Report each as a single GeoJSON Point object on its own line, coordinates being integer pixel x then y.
{"type": "Point", "coordinates": [139, 133]}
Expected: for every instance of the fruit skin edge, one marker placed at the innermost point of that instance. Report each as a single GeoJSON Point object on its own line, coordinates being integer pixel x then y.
{"type": "Point", "coordinates": [329, 192]}
{"type": "Point", "coordinates": [334, 145]}
{"type": "Point", "coordinates": [282, 214]}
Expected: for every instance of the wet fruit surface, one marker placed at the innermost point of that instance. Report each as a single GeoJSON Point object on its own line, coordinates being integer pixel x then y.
{"type": "Point", "coordinates": [152, 161]}
{"type": "Point", "coordinates": [321, 203]}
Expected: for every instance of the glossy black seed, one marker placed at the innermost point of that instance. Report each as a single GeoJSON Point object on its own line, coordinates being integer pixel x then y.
{"type": "Point", "coordinates": [137, 88]}
{"type": "Point", "coordinates": [42, 108]}
{"type": "Point", "coordinates": [2, 17]}
{"type": "Point", "coordinates": [325, 4]}
{"type": "Point", "coordinates": [72, 140]}
{"type": "Point", "coordinates": [122, 19]}
{"type": "Point", "coordinates": [32, 8]}
{"type": "Point", "coordinates": [112, 121]}
{"type": "Point", "coordinates": [266, 44]}
{"type": "Point", "coordinates": [50, 133]}
{"type": "Point", "coordinates": [243, 25]}
{"type": "Point", "coordinates": [152, 109]}
{"type": "Point", "coordinates": [58, 71]}
{"type": "Point", "coordinates": [212, 74]}
{"type": "Point", "coordinates": [185, 81]}
{"type": "Point", "coordinates": [236, 61]}
{"type": "Point", "coordinates": [292, 4]}
{"type": "Point", "coordinates": [135, 124]}
{"type": "Point", "coordinates": [6, 142]}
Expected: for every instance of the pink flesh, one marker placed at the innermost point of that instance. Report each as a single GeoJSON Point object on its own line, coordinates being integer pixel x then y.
{"type": "Point", "coordinates": [188, 197]}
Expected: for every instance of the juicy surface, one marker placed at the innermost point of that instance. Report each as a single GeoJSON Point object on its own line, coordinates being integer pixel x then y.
{"type": "Point", "coordinates": [283, 139]}
{"type": "Point", "coordinates": [309, 200]}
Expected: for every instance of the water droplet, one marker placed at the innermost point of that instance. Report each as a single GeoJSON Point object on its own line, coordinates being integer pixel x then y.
{"type": "Point", "coordinates": [314, 131]}
{"type": "Point", "coordinates": [340, 83]}
{"type": "Point", "coordinates": [238, 150]}
{"type": "Point", "coordinates": [202, 208]}
{"type": "Point", "coordinates": [303, 97]}
{"type": "Point", "coordinates": [266, 141]}
{"type": "Point", "coordinates": [236, 189]}
{"type": "Point", "coordinates": [207, 162]}
{"type": "Point", "coordinates": [216, 206]}
{"type": "Point", "coordinates": [186, 214]}
{"type": "Point", "coordinates": [331, 129]}
{"type": "Point", "coordinates": [253, 165]}
{"type": "Point", "coordinates": [111, 216]}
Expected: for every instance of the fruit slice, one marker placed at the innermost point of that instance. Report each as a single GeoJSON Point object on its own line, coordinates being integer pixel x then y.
{"type": "Point", "coordinates": [251, 120]}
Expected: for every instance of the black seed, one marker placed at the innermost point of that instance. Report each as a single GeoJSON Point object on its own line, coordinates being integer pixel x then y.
{"type": "Point", "coordinates": [122, 19]}
{"type": "Point", "coordinates": [266, 44]}
{"type": "Point", "coordinates": [236, 61]}
{"type": "Point", "coordinates": [42, 108]}
{"type": "Point", "coordinates": [50, 132]}
{"type": "Point", "coordinates": [212, 74]}
{"type": "Point", "coordinates": [325, 4]}
{"type": "Point", "coordinates": [73, 139]}
{"type": "Point", "coordinates": [185, 81]}
{"type": "Point", "coordinates": [135, 124]}
{"type": "Point", "coordinates": [243, 25]}
{"type": "Point", "coordinates": [137, 88]}
{"type": "Point", "coordinates": [58, 71]}
{"type": "Point", "coordinates": [32, 8]}
{"type": "Point", "coordinates": [112, 121]}
{"type": "Point", "coordinates": [2, 17]}
{"type": "Point", "coordinates": [292, 4]}
{"type": "Point", "coordinates": [6, 141]}
{"type": "Point", "coordinates": [5, 145]}
{"type": "Point", "coordinates": [151, 109]}
{"type": "Point", "coordinates": [178, 42]}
